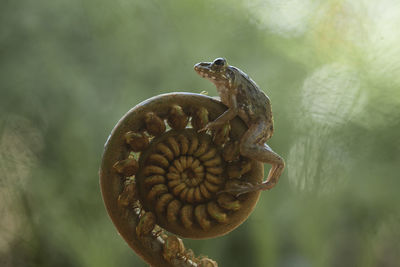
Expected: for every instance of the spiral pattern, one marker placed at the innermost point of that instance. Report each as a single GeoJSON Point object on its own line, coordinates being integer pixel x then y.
{"type": "Point", "coordinates": [160, 177]}
{"type": "Point", "coordinates": [182, 173]}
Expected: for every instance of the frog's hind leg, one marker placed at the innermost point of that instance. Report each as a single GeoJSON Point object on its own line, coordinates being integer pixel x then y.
{"type": "Point", "coordinates": [252, 145]}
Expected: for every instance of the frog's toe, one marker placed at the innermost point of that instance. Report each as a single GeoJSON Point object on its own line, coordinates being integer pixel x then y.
{"type": "Point", "coordinates": [203, 130]}
{"type": "Point", "coordinates": [207, 127]}
{"type": "Point", "coordinates": [240, 189]}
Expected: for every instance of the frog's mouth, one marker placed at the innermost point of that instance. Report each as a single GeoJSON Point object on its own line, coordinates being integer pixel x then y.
{"type": "Point", "coordinates": [205, 71]}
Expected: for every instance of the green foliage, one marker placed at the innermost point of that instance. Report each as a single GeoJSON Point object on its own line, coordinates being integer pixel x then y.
{"type": "Point", "coordinates": [70, 69]}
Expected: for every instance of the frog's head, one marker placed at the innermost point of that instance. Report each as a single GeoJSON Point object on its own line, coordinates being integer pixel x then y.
{"type": "Point", "coordinates": [218, 71]}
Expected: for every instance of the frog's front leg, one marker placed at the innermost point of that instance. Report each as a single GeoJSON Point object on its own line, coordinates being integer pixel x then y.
{"type": "Point", "coordinates": [252, 145]}
{"type": "Point", "coordinates": [225, 117]}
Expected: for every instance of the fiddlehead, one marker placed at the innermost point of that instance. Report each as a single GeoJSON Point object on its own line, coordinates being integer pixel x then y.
{"type": "Point", "coordinates": [160, 174]}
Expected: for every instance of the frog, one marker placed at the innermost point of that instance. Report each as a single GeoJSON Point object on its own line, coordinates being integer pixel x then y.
{"type": "Point", "coordinates": [244, 98]}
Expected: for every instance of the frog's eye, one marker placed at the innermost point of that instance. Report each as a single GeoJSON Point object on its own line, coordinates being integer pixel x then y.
{"type": "Point", "coordinates": [220, 62]}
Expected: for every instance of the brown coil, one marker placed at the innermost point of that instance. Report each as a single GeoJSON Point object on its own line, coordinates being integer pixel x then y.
{"type": "Point", "coordinates": [154, 178]}
{"type": "Point", "coordinates": [181, 174]}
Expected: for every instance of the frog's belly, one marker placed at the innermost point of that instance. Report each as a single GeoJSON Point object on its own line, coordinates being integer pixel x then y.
{"type": "Point", "coordinates": [249, 117]}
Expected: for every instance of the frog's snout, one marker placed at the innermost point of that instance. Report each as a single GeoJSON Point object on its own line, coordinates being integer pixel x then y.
{"type": "Point", "coordinates": [198, 69]}
{"type": "Point", "coordinates": [202, 68]}
{"type": "Point", "coordinates": [199, 66]}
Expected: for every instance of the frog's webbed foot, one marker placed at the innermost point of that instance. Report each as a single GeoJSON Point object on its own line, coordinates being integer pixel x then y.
{"type": "Point", "coordinates": [241, 188]}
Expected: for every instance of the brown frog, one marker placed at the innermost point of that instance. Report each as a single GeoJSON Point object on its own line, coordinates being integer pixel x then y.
{"type": "Point", "coordinates": [245, 99]}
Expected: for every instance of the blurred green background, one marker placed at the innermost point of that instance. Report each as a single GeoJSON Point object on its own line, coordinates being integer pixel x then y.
{"type": "Point", "coordinates": [69, 69]}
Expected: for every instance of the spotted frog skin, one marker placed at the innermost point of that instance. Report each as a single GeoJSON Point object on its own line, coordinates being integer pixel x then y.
{"type": "Point", "coordinates": [245, 99]}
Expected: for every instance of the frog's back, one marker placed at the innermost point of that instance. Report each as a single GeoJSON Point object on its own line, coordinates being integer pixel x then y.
{"type": "Point", "coordinates": [251, 100]}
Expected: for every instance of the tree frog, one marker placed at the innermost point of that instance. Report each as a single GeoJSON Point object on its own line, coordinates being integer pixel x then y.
{"type": "Point", "coordinates": [245, 99]}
